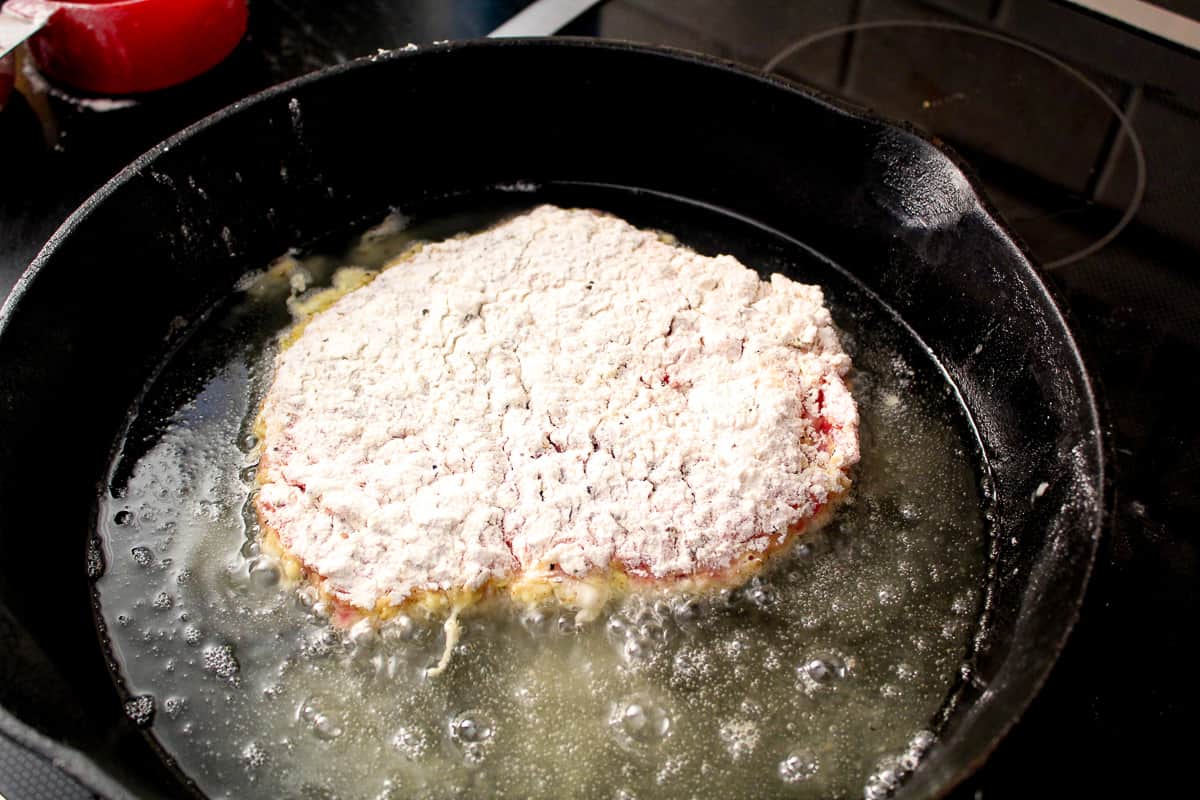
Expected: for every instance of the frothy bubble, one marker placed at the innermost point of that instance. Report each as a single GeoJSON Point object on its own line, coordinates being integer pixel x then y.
{"type": "Point", "coordinates": [797, 767]}
{"type": "Point", "coordinates": [884, 781]}
{"type": "Point", "coordinates": [740, 737]}
{"type": "Point", "coordinates": [174, 706]}
{"type": "Point", "coordinates": [253, 755]}
{"type": "Point", "coordinates": [140, 710]}
{"type": "Point", "coordinates": [221, 661]}
{"type": "Point", "coordinates": [410, 741]}
{"type": "Point", "coordinates": [95, 558]}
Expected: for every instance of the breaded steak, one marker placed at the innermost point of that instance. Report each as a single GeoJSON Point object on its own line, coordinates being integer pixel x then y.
{"type": "Point", "coordinates": [560, 406]}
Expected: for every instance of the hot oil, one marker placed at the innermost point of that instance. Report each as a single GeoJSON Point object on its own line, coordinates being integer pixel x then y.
{"type": "Point", "coordinates": [817, 679]}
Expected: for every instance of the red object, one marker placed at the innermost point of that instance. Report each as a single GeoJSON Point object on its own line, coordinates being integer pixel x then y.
{"type": "Point", "coordinates": [6, 79]}
{"type": "Point", "coordinates": [133, 46]}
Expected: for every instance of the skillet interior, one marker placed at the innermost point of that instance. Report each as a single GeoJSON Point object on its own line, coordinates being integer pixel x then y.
{"type": "Point", "coordinates": [88, 324]}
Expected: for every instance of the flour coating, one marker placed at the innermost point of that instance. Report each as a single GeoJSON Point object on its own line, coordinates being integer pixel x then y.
{"type": "Point", "coordinates": [562, 395]}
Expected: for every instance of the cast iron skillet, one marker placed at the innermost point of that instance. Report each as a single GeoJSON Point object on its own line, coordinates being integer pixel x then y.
{"type": "Point", "coordinates": [149, 252]}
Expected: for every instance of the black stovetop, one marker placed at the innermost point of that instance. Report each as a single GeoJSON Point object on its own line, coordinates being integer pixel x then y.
{"type": "Point", "coordinates": [1086, 134]}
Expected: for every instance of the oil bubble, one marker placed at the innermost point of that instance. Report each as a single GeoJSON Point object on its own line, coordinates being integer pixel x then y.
{"type": "Point", "coordinates": [321, 724]}
{"type": "Point", "coordinates": [264, 573]}
{"type": "Point", "coordinates": [95, 558]}
{"type": "Point", "coordinates": [797, 767]}
{"type": "Point", "coordinates": [823, 670]}
{"type": "Point", "coordinates": [325, 727]}
{"type": "Point", "coordinates": [922, 741]}
{"type": "Point", "coordinates": [692, 667]}
{"type": "Point", "coordinates": [963, 604]}
{"type": "Point", "coordinates": [207, 510]}
{"type": "Point", "coordinates": [250, 516]}
{"type": "Point", "coordinates": [883, 782]}
{"type": "Point", "coordinates": [410, 741]}
{"type": "Point", "coordinates": [471, 732]}
{"type": "Point", "coordinates": [140, 710]}
{"type": "Point", "coordinates": [401, 628]}
{"type": "Point", "coordinates": [362, 635]}
{"type": "Point", "coordinates": [736, 647]}
{"type": "Point", "coordinates": [617, 628]}
{"type": "Point", "coordinates": [888, 595]}
{"type": "Point", "coordinates": [687, 612]}
{"type": "Point", "coordinates": [253, 755]}
{"type": "Point", "coordinates": [740, 737]}
{"type": "Point", "coordinates": [654, 632]}
{"type": "Point", "coordinates": [751, 708]}
{"type": "Point", "coordinates": [759, 595]}
{"type": "Point", "coordinates": [639, 721]}
{"type": "Point", "coordinates": [322, 643]}
{"type": "Point", "coordinates": [471, 727]}
{"type": "Point", "coordinates": [221, 662]}
{"type": "Point", "coordinates": [174, 706]}
{"type": "Point", "coordinates": [636, 650]}
{"type": "Point", "coordinates": [537, 621]}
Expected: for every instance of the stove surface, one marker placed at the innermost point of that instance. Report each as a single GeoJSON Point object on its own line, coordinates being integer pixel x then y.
{"type": "Point", "coordinates": [1085, 132]}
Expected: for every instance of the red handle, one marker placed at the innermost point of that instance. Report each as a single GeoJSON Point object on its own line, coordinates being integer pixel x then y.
{"type": "Point", "coordinates": [133, 46]}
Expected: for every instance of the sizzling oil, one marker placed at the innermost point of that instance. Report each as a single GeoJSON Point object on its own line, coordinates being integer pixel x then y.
{"type": "Point", "coordinates": [818, 679]}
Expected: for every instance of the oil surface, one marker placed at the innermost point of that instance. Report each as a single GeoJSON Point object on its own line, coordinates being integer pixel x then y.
{"type": "Point", "coordinates": [817, 679]}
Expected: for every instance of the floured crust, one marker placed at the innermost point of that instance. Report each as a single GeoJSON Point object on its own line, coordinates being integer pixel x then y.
{"type": "Point", "coordinates": [561, 407]}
